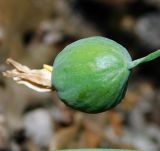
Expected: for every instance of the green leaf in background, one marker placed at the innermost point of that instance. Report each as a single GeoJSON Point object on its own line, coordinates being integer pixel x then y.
{"type": "Point", "coordinates": [94, 150]}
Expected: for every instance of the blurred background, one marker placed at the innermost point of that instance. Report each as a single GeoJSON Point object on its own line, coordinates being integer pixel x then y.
{"type": "Point", "coordinates": [33, 32]}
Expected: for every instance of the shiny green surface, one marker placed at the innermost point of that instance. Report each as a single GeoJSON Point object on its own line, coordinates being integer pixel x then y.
{"type": "Point", "coordinates": [91, 74]}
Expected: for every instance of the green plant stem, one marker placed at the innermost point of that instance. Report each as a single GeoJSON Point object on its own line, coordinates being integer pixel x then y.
{"type": "Point", "coordinates": [148, 58]}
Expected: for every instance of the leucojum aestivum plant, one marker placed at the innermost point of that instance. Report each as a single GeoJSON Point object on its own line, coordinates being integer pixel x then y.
{"type": "Point", "coordinates": [89, 75]}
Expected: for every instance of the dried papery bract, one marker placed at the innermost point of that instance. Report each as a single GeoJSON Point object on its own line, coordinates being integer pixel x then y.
{"type": "Point", "coordinates": [38, 80]}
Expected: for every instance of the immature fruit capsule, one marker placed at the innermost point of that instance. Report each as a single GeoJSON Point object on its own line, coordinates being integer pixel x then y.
{"type": "Point", "coordinates": [91, 74]}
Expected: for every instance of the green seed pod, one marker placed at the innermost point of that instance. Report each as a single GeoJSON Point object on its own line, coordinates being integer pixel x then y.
{"type": "Point", "coordinates": [91, 74]}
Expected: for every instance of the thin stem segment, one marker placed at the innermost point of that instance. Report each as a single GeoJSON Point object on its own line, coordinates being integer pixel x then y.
{"type": "Point", "coordinates": [148, 58]}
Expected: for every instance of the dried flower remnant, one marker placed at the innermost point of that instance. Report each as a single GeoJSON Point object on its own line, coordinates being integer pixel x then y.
{"type": "Point", "coordinates": [38, 80]}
